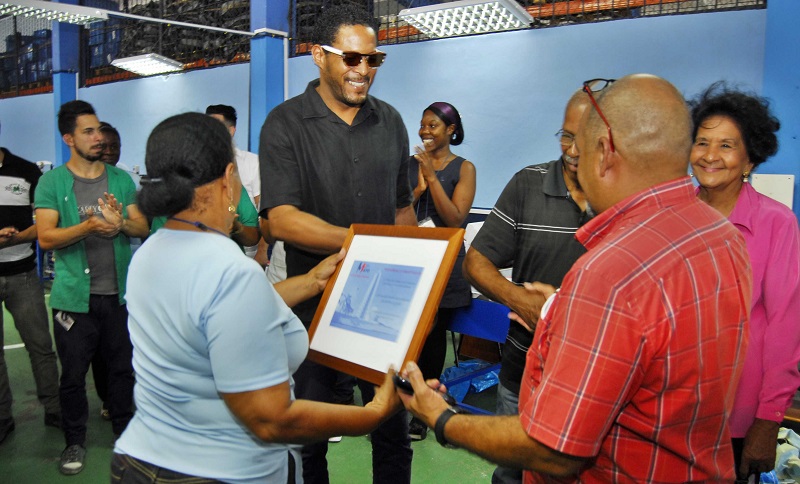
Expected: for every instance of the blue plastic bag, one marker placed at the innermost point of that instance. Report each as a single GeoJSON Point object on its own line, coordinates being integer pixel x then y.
{"type": "Point", "coordinates": [477, 384]}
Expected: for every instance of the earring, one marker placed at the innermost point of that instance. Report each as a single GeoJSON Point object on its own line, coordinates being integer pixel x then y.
{"type": "Point", "coordinates": [746, 176]}
{"type": "Point", "coordinates": [231, 206]}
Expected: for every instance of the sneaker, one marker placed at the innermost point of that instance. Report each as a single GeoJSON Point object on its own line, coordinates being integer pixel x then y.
{"type": "Point", "coordinates": [417, 430]}
{"type": "Point", "coordinates": [6, 427]}
{"type": "Point", "coordinates": [52, 420]}
{"type": "Point", "coordinates": [336, 439]}
{"type": "Point", "coordinates": [72, 460]}
{"type": "Point", "coordinates": [104, 412]}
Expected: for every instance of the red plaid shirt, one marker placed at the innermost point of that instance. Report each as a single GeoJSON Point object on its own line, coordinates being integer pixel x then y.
{"type": "Point", "coordinates": [636, 363]}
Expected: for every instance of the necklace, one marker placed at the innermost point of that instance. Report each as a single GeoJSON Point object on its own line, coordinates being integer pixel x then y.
{"type": "Point", "coordinates": [199, 225]}
{"type": "Point", "coordinates": [445, 163]}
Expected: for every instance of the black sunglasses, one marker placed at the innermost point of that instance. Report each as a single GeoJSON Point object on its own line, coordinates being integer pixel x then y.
{"type": "Point", "coordinates": [353, 59]}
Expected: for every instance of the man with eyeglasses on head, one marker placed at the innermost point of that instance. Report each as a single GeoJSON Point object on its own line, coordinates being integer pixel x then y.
{"type": "Point", "coordinates": [531, 229]}
{"type": "Point", "coordinates": [635, 360]}
{"type": "Point", "coordinates": [334, 156]}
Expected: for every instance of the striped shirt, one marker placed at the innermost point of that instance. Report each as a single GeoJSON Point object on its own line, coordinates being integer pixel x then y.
{"type": "Point", "coordinates": [532, 229]}
{"type": "Point", "coordinates": [18, 179]}
{"type": "Point", "coordinates": [636, 363]}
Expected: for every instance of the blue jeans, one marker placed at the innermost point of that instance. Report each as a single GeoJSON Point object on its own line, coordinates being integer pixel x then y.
{"type": "Point", "coordinates": [391, 445]}
{"type": "Point", "coordinates": [507, 404]}
{"type": "Point", "coordinates": [24, 299]}
{"type": "Point", "coordinates": [103, 330]}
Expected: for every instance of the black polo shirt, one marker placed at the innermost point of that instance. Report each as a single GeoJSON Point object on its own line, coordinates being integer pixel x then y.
{"type": "Point", "coordinates": [18, 179]}
{"type": "Point", "coordinates": [341, 173]}
{"type": "Point", "coordinates": [531, 229]}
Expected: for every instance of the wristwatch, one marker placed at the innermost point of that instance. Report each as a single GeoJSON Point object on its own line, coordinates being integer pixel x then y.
{"type": "Point", "coordinates": [442, 421]}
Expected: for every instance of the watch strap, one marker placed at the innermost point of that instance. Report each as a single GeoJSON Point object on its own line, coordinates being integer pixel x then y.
{"type": "Point", "coordinates": [439, 427]}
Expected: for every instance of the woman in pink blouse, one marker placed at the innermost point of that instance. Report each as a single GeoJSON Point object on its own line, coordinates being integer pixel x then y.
{"type": "Point", "coordinates": [734, 132]}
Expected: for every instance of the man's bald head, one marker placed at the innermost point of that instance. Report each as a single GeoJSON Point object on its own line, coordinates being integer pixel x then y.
{"type": "Point", "coordinates": [651, 128]}
{"type": "Point", "coordinates": [578, 98]}
{"type": "Point", "coordinates": [650, 123]}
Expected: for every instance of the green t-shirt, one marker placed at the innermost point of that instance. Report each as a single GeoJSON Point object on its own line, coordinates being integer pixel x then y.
{"type": "Point", "coordinates": [248, 215]}
{"type": "Point", "coordinates": [70, 291]}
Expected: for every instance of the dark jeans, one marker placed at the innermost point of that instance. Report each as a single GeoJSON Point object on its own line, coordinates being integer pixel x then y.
{"type": "Point", "coordinates": [391, 446]}
{"type": "Point", "coordinates": [130, 470]}
{"type": "Point", "coordinates": [24, 299]}
{"type": "Point", "coordinates": [103, 330]}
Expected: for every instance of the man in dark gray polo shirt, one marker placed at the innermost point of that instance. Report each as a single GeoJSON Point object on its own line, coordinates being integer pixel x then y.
{"type": "Point", "coordinates": [531, 229]}
{"type": "Point", "coordinates": [331, 157]}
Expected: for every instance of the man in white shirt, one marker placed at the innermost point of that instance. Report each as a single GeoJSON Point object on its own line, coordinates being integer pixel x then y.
{"type": "Point", "coordinates": [247, 164]}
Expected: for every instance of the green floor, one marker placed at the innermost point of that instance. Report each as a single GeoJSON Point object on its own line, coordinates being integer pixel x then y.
{"type": "Point", "coordinates": [30, 454]}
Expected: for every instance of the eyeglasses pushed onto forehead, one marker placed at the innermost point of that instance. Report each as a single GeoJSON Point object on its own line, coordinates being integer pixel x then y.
{"type": "Point", "coordinates": [353, 59]}
{"type": "Point", "coordinates": [596, 85]}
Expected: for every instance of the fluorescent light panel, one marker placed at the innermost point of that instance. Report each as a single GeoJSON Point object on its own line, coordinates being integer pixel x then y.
{"type": "Point", "coordinates": [148, 64]}
{"type": "Point", "coordinates": [60, 12]}
{"type": "Point", "coordinates": [467, 17]}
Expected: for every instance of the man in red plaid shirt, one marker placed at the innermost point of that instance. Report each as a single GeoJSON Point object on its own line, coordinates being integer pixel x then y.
{"type": "Point", "coordinates": [633, 367]}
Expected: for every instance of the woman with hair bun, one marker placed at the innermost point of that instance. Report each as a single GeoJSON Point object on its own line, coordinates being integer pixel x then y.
{"type": "Point", "coordinates": [734, 132]}
{"type": "Point", "coordinates": [215, 345]}
{"type": "Point", "coordinates": [444, 188]}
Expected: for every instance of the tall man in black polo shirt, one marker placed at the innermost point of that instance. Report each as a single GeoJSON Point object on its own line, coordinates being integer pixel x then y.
{"type": "Point", "coordinates": [20, 289]}
{"type": "Point", "coordinates": [532, 229]}
{"type": "Point", "coordinates": [331, 157]}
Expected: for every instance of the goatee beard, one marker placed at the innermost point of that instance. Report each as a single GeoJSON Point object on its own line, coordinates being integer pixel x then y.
{"type": "Point", "coordinates": [88, 157]}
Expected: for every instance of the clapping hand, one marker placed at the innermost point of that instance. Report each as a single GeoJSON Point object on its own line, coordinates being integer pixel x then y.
{"type": "Point", "coordinates": [111, 221]}
{"type": "Point", "coordinates": [426, 169]}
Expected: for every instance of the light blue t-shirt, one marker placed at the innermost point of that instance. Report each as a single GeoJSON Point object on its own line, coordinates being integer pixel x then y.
{"type": "Point", "coordinates": [203, 319]}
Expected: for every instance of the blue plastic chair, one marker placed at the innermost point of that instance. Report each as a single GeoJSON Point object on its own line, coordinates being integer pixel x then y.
{"type": "Point", "coordinates": [482, 319]}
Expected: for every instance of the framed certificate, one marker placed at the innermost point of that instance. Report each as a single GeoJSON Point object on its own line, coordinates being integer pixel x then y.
{"type": "Point", "coordinates": [378, 306]}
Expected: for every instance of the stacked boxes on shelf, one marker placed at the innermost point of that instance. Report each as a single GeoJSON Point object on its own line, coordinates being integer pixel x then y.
{"type": "Point", "coordinates": [104, 37]}
{"type": "Point", "coordinates": [104, 42]}
{"type": "Point", "coordinates": [27, 59]}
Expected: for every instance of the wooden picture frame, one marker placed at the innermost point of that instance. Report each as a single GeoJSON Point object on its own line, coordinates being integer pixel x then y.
{"type": "Point", "coordinates": [378, 306]}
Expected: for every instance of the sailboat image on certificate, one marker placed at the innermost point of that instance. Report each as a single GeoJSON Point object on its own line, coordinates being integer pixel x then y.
{"type": "Point", "coordinates": [376, 299]}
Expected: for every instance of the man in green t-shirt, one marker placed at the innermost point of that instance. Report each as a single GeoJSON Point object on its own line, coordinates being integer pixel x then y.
{"type": "Point", "coordinates": [86, 212]}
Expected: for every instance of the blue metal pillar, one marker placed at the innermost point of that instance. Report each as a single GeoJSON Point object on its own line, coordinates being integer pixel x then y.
{"type": "Point", "coordinates": [66, 46]}
{"type": "Point", "coordinates": [267, 62]}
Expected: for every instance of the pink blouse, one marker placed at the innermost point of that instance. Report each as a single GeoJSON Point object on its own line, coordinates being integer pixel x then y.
{"type": "Point", "coordinates": [770, 376]}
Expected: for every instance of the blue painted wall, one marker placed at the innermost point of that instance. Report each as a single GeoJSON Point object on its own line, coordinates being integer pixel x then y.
{"type": "Point", "coordinates": [510, 88]}
{"type": "Point", "coordinates": [133, 107]}
{"type": "Point", "coordinates": [136, 107]}
{"type": "Point", "coordinates": [782, 84]}
{"type": "Point", "coordinates": [29, 126]}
